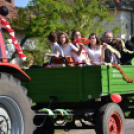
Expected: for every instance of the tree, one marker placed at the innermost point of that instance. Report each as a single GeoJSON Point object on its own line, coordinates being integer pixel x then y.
{"type": "Point", "coordinates": [89, 16]}
{"type": "Point", "coordinates": [41, 17]}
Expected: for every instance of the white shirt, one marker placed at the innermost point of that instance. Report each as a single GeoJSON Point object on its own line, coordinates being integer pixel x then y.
{"type": "Point", "coordinates": [67, 50]}
{"type": "Point", "coordinates": [94, 55]}
{"type": "Point", "coordinates": [79, 58]}
{"type": "Point", "coordinates": [56, 48]}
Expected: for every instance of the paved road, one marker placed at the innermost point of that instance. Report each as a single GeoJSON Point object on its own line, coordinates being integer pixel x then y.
{"type": "Point", "coordinates": [129, 129]}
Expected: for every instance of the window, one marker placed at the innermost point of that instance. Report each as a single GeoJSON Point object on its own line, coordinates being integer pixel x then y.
{"type": "Point", "coordinates": [9, 1]}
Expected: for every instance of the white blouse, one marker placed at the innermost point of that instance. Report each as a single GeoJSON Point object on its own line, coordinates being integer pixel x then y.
{"type": "Point", "coordinates": [67, 50]}
{"type": "Point", "coordinates": [81, 57]}
{"type": "Point", "coordinates": [94, 55]}
{"type": "Point", "coordinates": [57, 47]}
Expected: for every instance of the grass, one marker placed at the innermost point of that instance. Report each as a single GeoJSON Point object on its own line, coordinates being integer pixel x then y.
{"type": "Point", "coordinates": [59, 131]}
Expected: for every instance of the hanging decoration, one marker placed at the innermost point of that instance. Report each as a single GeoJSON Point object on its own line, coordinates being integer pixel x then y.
{"type": "Point", "coordinates": [8, 28]}
{"type": "Point", "coordinates": [129, 80]}
{"type": "Point", "coordinates": [113, 50]}
{"type": "Point", "coordinates": [124, 48]}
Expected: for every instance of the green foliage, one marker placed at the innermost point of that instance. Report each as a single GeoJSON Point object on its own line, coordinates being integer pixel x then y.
{"type": "Point", "coordinates": [40, 17]}
{"type": "Point", "coordinates": [5, 35]}
{"type": "Point", "coordinates": [118, 29]}
{"type": "Point", "coordinates": [35, 56]}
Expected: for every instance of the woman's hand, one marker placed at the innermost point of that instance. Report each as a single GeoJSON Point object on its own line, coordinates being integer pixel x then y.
{"type": "Point", "coordinates": [103, 63]}
{"type": "Point", "coordinates": [80, 44]}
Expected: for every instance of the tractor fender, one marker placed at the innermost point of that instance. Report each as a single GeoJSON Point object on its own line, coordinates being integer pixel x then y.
{"type": "Point", "coordinates": [15, 71]}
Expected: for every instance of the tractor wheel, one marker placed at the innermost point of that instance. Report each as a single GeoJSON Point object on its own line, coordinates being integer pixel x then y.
{"type": "Point", "coordinates": [16, 116]}
{"type": "Point", "coordinates": [110, 120]}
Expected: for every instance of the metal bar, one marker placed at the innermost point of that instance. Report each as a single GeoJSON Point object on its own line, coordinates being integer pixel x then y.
{"type": "Point", "coordinates": [48, 115]}
{"type": "Point", "coordinates": [74, 112]}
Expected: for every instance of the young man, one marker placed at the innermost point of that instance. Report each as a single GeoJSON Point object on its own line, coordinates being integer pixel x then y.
{"type": "Point", "coordinates": [56, 51]}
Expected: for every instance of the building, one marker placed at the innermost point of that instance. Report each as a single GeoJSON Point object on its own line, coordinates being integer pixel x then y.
{"type": "Point", "coordinates": [12, 8]}
{"type": "Point", "coordinates": [124, 17]}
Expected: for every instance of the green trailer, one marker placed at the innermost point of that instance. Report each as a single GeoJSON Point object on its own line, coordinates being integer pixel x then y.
{"type": "Point", "coordinates": [68, 94]}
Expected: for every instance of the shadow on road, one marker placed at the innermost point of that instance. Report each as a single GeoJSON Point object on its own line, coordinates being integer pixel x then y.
{"type": "Point", "coordinates": [129, 129]}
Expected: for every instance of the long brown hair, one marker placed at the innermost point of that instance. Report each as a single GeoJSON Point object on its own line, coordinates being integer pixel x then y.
{"type": "Point", "coordinates": [66, 36]}
{"type": "Point", "coordinates": [98, 42]}
{"type": "Point", "coordinates": [73, 33]}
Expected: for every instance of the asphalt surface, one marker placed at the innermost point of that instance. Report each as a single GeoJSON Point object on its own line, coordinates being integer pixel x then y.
{"type": "Point", "coordinates": [129, 129]}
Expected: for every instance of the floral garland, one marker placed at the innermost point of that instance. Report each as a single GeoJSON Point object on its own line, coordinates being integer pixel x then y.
{"type": "Point", "coordinates": [129, 80]}
{"type": "Point", "coordinates": [113, 50]}
{"type": "Point", "coordinates": [6, 25]}
{"type": "Point", "coordinates": [124, 48]}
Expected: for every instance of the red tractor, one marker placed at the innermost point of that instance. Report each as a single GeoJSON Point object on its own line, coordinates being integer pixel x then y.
{"type": "Point", "coordinates": [15, 107]}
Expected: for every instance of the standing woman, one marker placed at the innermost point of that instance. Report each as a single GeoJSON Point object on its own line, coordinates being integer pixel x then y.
{"type": "Point", "coordinates": [67, 47]}
{"type": "Point", "coordinates": [83, 57]}
{"type": "Point", "coordinates": [95, 51]}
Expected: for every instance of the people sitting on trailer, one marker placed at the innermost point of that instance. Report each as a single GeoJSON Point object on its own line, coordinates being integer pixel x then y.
{"type": "Point", "coordinates": [95, 50]}
{"type": "Point", "coordinates": [110, 56]}
{"type": "Point", "coordinates": [126, 50]}
{"type": "Point", "coordinates": [56, 51]}
{"type": "Point", "coordinates": [67, 47]}
{"type": "Point", "coordinates": [83, 57]}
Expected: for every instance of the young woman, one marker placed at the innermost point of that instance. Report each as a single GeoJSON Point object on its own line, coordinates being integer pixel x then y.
{"type": "Point", "coordinates": [83, 57]}
{"type": "Point", "coordinates": [67, 47]}
{"type": "Point", "coordinates": [56, 51]}
{"type": "Point", "coordinates": [95, 51]}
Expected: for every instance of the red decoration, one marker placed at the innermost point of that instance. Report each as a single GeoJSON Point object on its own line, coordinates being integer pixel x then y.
{"type": "Point", "coordinates": [14, 40]}
{"type": "Point", "coordinates": [116, 98]}
{"type": "Point", "coordinates": [22, 56]}
{"type": "Point", "coordinates": [81, 40]}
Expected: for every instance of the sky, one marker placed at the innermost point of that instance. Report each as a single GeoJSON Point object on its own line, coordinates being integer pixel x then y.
{"type": "Point", "coordinates": [21, 3]}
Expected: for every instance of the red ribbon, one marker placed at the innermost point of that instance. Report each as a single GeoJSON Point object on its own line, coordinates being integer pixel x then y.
{"type": "Point", "coordinates": [14, 40]}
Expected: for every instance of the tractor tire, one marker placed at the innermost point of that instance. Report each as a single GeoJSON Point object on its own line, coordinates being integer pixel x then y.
{"type": "Point", "coordinates": [16, 116]}
{"type": "Point", "coordinates": [110, 120]}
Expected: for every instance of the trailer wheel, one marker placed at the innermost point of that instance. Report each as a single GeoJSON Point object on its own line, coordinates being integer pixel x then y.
{"type": "Point", "coordinates": [16, 116]}
{"type": "Point", "coordinates": [110, 120]}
